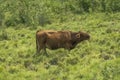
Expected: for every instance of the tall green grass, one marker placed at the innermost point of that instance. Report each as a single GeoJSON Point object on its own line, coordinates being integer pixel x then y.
{"type": "Point", "coordinates": [96, 59]}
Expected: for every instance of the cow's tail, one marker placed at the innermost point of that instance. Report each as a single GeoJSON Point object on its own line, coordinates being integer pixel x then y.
{"type": "Point", "coordinates": [37, 43]}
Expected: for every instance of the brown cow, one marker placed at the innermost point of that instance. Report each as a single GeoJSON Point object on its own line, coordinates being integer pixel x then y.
{"type": "Point", "coordinates": [58, 39]}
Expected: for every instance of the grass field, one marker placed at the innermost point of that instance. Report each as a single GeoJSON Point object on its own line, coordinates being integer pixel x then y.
{"type": "Point", "coordinates": [96, 59]}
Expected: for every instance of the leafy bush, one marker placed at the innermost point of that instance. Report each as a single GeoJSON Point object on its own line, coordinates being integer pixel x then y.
{"type": "Point", "coordinates": [41, 12]}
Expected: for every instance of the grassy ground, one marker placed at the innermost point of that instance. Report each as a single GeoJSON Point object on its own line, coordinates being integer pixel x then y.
{"type": "Point", "coordinates": [97, 59]}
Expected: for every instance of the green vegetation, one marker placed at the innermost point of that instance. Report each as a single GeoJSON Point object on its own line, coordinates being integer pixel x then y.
{"type": "Point", "coordinates": [96, 59]}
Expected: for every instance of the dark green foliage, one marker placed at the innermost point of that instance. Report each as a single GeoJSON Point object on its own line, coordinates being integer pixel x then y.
{"type": "Point", "coordinates": [41, 12]}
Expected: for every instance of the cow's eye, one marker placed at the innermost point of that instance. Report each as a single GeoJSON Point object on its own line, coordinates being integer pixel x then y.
{"type": "Point", "coordinates": [78, 35]}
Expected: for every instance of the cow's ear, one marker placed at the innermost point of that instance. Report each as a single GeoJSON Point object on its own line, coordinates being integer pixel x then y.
{"type": "Point", "coordinates": [78, 35]}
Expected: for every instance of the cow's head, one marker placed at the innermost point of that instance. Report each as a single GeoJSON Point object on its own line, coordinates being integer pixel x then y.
{"type": "Point", "coordinates": [82, 36]}
{"type": "Point", "coordinates": [77, 37]}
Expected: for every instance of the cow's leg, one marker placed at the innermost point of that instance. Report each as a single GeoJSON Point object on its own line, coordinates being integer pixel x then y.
{"type": "Point", "coordinates": [45, 52]}
{"type": "Point", "coordinates": [68, 46]}
{"type": "Point", "coordinates": [37, 45]}
{"type": "Point", "coordinates": [38, 49]}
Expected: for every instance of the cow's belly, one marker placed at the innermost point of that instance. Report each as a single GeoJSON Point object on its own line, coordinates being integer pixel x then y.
{"type": "Point", "coordinates": [53, 43]}
{"type": "Point", "coordinates": [52, 46]}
